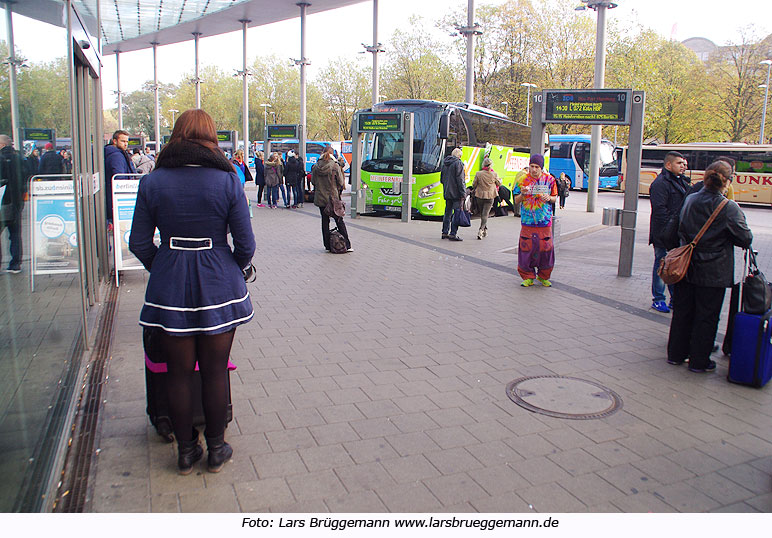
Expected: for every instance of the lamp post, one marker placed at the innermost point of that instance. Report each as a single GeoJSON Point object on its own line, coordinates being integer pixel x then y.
{"type": "Point", "coordinates": [600, 7]}
{"type": "Point", "coordinates": [528, 102]}
{"type": "Point", "coordinates": [273, 117]}
{"type": "Point", "coordinates": [174, 112]}
{"type": "Point", "coordinates": [768, 63]}
{"type": "Point", "coordinates": [506, 108]}
{"type": "Point", "coordinates": [265, 122]}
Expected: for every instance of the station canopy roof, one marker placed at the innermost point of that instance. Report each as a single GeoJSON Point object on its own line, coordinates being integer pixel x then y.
{"type": "Point", "coordinates": [134, 24]}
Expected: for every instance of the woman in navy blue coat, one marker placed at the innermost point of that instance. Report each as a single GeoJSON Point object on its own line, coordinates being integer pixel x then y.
{"type": "Point", "coordinates": [196, 294]}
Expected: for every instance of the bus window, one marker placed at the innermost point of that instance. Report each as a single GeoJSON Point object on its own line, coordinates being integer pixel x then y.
{"type": "Point", "coordinates": [582, 156]}
{"type": "Point", "coordinates": [458, 135]}
{"type": "Point", "coordinates": [560, 150]}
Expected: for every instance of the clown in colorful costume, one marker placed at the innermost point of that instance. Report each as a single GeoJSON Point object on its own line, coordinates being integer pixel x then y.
{"type": "Point", "coordinates": [536, 254]}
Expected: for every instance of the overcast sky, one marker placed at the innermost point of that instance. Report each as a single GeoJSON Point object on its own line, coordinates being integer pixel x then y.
{"type": "Point", "coordinates": [341, 33]}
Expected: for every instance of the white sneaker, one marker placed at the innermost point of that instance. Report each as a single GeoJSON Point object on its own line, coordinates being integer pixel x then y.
{"type": "Point", "coordinates": [349, 249]}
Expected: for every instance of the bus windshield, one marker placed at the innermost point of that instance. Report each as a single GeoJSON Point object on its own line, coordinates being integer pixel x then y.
{"type": "Point", "coordinates": [608, 162]}
{"type": "Point", "coordinates": [427, 148]}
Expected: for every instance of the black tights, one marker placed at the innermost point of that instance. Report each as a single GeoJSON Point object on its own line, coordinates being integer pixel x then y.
{"type": "Point", "coordinates": [211, 352]}
{"type": "Point", "coordinates": [260, 189]}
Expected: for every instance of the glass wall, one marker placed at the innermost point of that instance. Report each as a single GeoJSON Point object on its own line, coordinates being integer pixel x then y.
{"type": "Point", "coordinates": [41, 304]}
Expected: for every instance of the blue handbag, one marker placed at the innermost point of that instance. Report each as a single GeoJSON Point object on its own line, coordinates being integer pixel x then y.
{"type": "Point", "coordinates": [462, 218]}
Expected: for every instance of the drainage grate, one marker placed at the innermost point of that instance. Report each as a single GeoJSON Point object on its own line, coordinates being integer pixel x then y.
{"type": "Point", "coordinates": [564, 397]}
{"type": "Point", "coordinates": [71, 497]}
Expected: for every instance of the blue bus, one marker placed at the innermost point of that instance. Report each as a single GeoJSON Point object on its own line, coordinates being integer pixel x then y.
{"type": "Point", "coordinates": [570, 155]}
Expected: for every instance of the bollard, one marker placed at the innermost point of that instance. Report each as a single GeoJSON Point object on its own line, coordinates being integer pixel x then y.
{"type": "Point", "coordinates": [611, 216]}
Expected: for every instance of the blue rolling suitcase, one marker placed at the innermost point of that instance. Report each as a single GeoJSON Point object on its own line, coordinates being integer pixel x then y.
{"type": "Point", "coordinates": [751, 359]}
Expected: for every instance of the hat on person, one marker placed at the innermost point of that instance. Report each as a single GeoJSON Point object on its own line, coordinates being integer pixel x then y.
{"type": "Point", "coordinates": [290, 153]}
{"type": "Point", "coordinates": [49, 145]}
{"type": "Point", "coordinates": [537, 159]}
{"type": "Point", "coordinates": [487, 162]}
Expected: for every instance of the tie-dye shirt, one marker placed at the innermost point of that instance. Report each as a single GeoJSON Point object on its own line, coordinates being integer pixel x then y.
{"type": "Point", "coordinates": [536, 212]}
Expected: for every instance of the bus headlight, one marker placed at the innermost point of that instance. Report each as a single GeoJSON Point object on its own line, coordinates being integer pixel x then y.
{"type": "Point", "coordinates": [426, 192]}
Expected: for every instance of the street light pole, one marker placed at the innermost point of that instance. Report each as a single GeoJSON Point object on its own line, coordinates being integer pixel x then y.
{"type": "Point", "coordinates": [528, 102]}
{"type": "Point", "coordinates": [174, 112]}
{"type": "Point", "coordinates": [265, 122]}
{"type": "Point", "coordinates": [469, 31]}
{"type": "Point", "coordinates": [768, 63]}
{"type": "Point", "coordinates": [506, 107]}
{"type": "Point", "coordinates": [600, 7]}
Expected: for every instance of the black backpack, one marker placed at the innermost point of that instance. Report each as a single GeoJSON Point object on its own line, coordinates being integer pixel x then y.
{"type": "Point", "coordinates": [337, 242]}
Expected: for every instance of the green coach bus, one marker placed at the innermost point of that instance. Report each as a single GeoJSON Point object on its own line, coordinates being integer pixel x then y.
{"type": "Point", "coordinates": [438, 129]}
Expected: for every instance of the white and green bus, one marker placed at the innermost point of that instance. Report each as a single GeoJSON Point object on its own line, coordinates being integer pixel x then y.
{"type": "Point", "coordinates": [438, 128]}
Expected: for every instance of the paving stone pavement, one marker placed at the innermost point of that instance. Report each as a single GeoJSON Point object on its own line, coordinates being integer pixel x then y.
{"type": "Point", "coordinates": [375, 382]}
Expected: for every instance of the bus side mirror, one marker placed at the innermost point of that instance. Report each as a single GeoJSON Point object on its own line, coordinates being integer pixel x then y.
{"type": "Point", "coordinates": [444, 126]}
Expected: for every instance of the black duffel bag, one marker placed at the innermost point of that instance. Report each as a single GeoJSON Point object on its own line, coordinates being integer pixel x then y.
{"type": "Point", "coordinates": [756, 291]}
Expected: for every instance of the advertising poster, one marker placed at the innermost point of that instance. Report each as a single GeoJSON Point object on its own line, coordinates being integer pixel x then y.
{"type": "Point", "coordinates": [124, 199]}
{"type": "Point", "coordinates": [54, 231]}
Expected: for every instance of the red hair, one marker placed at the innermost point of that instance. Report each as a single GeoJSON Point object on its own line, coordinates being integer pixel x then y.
{"type": "Point", "coordinates": [197, 126]}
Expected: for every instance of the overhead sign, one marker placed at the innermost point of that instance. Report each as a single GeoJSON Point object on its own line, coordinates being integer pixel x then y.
{"type": "Point", "coordinates": [280, 132]}
{"type": "Point", "coordinates": [589, 107]}
{"type": "Point", "coordinates": [225, 136]}
{"type": "Point", "coordinates": [380, 122]}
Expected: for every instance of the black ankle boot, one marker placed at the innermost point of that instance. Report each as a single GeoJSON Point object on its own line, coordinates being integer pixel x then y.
{"type": "Point", "coordinates": [189, 452]}
{"type": "Point", "coordinates": [219, 452]}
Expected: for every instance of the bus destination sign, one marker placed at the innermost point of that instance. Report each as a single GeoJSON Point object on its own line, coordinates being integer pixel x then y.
{"type": "Point", "coordinates": [280, 132]}
{"type": "Point", "coordinates": [589, 107]}
{"type": "Point", "coordinates": [380, 122]}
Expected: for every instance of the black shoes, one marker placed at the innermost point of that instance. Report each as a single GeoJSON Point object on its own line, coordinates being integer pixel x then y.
{"type": "Point", "coordinates": [709, 367]}
{"type": "Point", "coordinates": [219, 453]}
{"type": "Point", "coordinates": [189, 452]}
{"type": "Point", "coordinates": [445, 236]}
{"type": "Point", "coordinates": [675, 362]}
{"type": "Point", "coordinates": [454, 238]}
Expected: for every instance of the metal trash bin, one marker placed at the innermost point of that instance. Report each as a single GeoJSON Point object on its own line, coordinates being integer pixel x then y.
{"type": "Point", "coordinates": [611, 216]}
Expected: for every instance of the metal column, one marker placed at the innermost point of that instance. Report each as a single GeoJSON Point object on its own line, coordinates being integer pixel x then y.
{"type": "Point", "coordinates": [245, 73]}
{"type": "Point", "coordinates": [375, 48]}
{"type": "Point", "coordinates": [407, 166]}
{"type": "Point", "coordinates": [157, 107]}
{"type": "Point", "coordinates": [303, 62]}
{"type": "Point", "coordinates": [197, 79]}
{"type": "Point", "coordinates": [632, 178]}
{"type": "Point", "coordinates": [469, 31]}
{"type": "Point", "coordinates": [13, 63]}
{"type": "Point", "coordinates": [356, 167]}
{"type": "Point", "coordinates": [118, 91]}
{"type": "Point", "coordinates": [596, 131]}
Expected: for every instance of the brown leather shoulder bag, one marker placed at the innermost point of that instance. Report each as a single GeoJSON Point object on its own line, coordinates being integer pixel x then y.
{"type": "Point", "coordinates": [673, 267]}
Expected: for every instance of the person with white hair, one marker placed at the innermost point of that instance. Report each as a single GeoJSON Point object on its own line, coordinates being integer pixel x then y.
{"type": "Point", "coordinates": [453, 190]}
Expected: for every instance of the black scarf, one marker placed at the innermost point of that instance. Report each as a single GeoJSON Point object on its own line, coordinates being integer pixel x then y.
{"type": "Point", "coordinates": [184, 152]}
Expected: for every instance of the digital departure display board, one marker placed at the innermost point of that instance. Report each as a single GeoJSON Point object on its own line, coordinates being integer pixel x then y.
{"type": "Point", "coordinates": [224, 136]}
{"type": "Point", "coordinates": [380, 122]}
{"type": "Point", "coordinates": [280, 132]}
{"type": "Point", "coordinates": [135, 142]}
{"type": "Point", "coordinates": [589, 107]}
{"type": "Point", "coordinates": [46, 135]}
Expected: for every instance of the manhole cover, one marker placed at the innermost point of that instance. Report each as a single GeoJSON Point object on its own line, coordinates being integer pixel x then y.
{"type": "Point", "coordinates": [564, 397]}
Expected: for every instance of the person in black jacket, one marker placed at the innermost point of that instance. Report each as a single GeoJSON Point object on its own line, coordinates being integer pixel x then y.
{"type": "Point", "coordinates": [666, 195]}
{"type": "Point", "coordinates": [453, 190]}
{"type": "Point", "coordinates": [13, 186]}
{"type": "Point", "coordinates": [699, 296]}
{"type": "Point", "coordinates": [51, 161]}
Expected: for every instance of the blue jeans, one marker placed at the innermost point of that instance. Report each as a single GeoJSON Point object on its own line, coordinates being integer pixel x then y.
{"type": "Point", "coordinates": [283, 194]}
{"type": "Point", "coordinates": [295, 193]}
{"type": "Point", "coordinates": [448, 223]}
{"type": "Point", "coordinates": [14, 236]}
{"type": "Point", "coordinates": [273, 195]}
{"type": "Point", "coordinates": [657, 286]}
